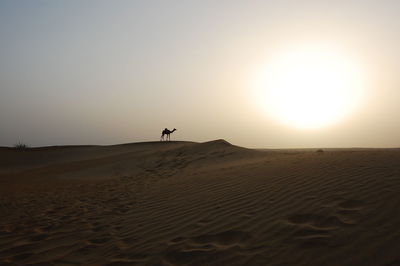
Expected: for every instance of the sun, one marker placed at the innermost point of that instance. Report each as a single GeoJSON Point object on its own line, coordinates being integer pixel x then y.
{"type": "Point", "coordinates": [310, 87]}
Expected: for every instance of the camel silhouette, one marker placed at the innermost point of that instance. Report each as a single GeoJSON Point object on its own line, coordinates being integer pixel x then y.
{"type": "Point", "coordinates": [166, 132]}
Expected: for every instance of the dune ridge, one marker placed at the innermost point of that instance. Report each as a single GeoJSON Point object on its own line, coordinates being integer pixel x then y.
{"type": "Point", "coordinates": [187, 203]}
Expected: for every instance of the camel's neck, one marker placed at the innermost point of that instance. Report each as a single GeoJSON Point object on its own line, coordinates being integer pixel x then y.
{"type": "Point", "coordinates": [173, 130]}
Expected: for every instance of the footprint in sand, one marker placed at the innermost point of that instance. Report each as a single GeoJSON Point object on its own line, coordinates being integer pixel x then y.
{"type": "Point", "coordinates": [351, 205]}
{"type": "Point", "coordinates": [22, 257]}
{"type": "Point", "coordinates": [349, 210]}
{"type": "Point", "coordinates": [196, 250]}
{"type": "Point", "coordinates": [99, 228]}
{"type": "Point", "coordinates": [128, 259]}
{"type": "Point", "coordinates": [99, 241]}
{"type": "Point", "coordinates": [39, 237]}
{"type": "Point", "coordinates": [203, 222]}
{"type": "Point", "coordinates": [312, 229]}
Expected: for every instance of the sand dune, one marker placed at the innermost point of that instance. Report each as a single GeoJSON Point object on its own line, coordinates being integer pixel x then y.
{"type": "Point", "coordinates": [186, 203]}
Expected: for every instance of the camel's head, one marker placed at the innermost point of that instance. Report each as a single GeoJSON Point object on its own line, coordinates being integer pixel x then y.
{"type": "Point", "coordinates": [174, 129]}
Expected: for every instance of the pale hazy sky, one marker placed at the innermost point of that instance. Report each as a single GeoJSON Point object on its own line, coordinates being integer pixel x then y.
{"type": "Point", "coordinates": [107, 72]}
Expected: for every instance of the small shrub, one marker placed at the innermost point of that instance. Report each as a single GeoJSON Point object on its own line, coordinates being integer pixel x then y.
{"type": "Point", "coordinates": [20, 146]}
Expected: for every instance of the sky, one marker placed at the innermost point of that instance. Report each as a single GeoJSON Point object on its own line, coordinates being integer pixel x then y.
{"type": "Point", "coordinates": [109, 72]}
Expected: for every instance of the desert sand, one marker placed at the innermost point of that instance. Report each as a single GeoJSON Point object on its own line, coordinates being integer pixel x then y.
{"type": "Point", "coordinates": [186, 203]}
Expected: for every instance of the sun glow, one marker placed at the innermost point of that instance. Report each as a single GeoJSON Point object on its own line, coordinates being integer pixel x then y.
{"type": "Point", "coordinates": [309, 87]}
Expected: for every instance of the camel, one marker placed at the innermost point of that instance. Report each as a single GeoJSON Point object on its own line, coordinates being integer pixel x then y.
{"type": "Point", "coordinates": [168, 133]}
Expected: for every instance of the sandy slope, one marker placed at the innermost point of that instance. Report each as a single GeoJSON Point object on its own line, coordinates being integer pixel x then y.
{"type": "Point", "coordinates": [212, 203]}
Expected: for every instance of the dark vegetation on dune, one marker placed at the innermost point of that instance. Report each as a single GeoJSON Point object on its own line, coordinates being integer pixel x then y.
{"type": "Point", "coordinates": [20, 146]}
